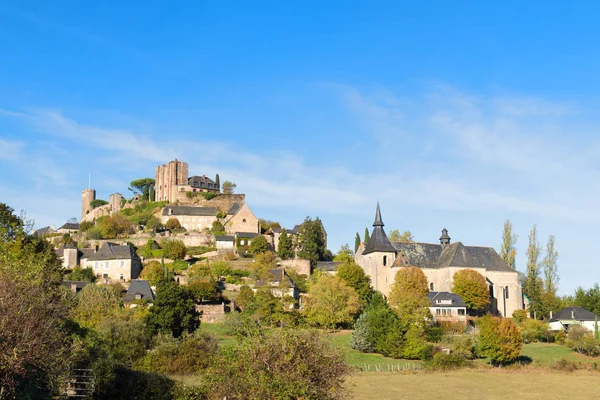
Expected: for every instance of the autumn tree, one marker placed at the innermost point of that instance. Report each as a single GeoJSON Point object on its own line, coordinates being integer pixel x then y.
{"type": "Point", "coordinates": [331, 303]}
{"type": "Point", "coordinates": [173, 249]}
{"type": "Point", "coordinates": [499, 339]}
{"type": "Point", "coordinates": [259, 245]}
{"type": "Point", "coordinates": [153, 272]}
{"type": "Point", "coordinates": [311, 241]}
{"type": "Point", "coordinates": [470, 285]}
{"type": "Point", "coordinates": [550, 264]}
{"type": "Point", "coordinates": [142, 187]}
{"type": "Point", "coordinates": [96, 303]}
{"type": "Point", "coordinates": [533, 284]}
{"type": "Point", "coordinates": [285, 248]}
{"type": "Point", "coordinates": [228, 187]}
{"type": "Point", "coordinates": [173, 224]}
{"type": "Point", "coordinates": [508, 252]}
{"type": "Point", "coordinates": [354, 276]}
{"type": "Point", "coordinates": [408, 294]}
{"type": "Point", "coordinates": [245, 297]}
{"type": "Point", "coordinates": [263, 263]}
{"type": "Point", "coordinates": [397, 236]}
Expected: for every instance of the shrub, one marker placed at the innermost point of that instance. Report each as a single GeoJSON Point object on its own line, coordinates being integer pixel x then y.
{"type": "Point", "coordinates": [464, 346]}
{"type": "Point", "coordinates": [85, 225]}
{"type": "Point", "coordinates": [499, 339]}
{"type": "Point", "coordinates": [81, 274]}
{"type": "Point", "coordinates": [245, 297]}
{"type": "Point", "coordinates": [173, 224]}
{"type": "Point", "coordinates": [259, 245]}
{"type": "Point", "coordinates": [519, 316]}
{"type": "Point", "coordinates": [582, 341]}
{"type": "Point", "coordinates": [173, 249]}
{"type": "Point", "coordinates": [434, 334]}
{"type": "Point", "coordinates": [217, 228]}
{"type": "Point", "coordinates": [93, 234]}
{"type": "Point", "coordinates": [533, 330]}
{"type": "Point", "coordinates": [180, 265]}
{"type": "Point", "coordinates": [566, 365]}
{"type": "Point", "coordinates": [444, 362]}
{"type": "Point", "coordinates": [221, 268]}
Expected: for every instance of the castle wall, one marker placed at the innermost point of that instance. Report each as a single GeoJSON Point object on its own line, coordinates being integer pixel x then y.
{"type": "Point", "coordinates": [223, 202]}
{"type": "Point", "coordinates": [190, 240]}
{"type": "Point", "coordinates": [302, 267]}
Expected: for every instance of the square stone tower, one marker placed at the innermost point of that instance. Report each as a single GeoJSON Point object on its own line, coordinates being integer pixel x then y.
{"type": "Point", "coordinates": [168, 176]}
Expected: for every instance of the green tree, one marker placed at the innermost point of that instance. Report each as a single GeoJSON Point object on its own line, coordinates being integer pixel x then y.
{"type": "Point", "coordinates": [408, 295]}
{"type": "Point", "coordinates": [396, 236]}
{"type": "Point", "coordinates": [204, 289]}
{"type": "Point", "coordinates": [470, 285]}
{"type": "Point", "coordinates": [588, 299]}
{"type": "Point", "coordinates": [218, 181]}
{"type": "Point", "coordinates": [263, 263]}
{"type": "Point", "coordinates": [285, 248]}
{"type": "Point", "coordinates": [331, 303]}
{"type": "Point", "coordinates": [508, 252]}
{"type": "Point", "coordinates": [354, 276]}
{"type": "Point", "coordinates": [344, 254]}
{"type": "Point", "coordinates": [385, 330]}
{"type": "Point", "coordinates": [356, 242]}
{"type": "Point", "coordinates": [533, 284]}
{"type": "Point", "coordinates": [550, 263]}
{"type": "Point", "coordinates": [153, 272]}
{"type": "Point", "coordinates": [114, 226]}
{"type": "Point", "coordinates": [173, 224]}
{"type": "Point", "coordinates": [499, 339]}
{"type": "Point", "coordinates": [367, 237]}
{"type": "Point", "coordinates": [11, 225]}
{"type": "Point", "coordinates": [217, 228]}
{"type": "Point", "coordinates": [96, 303]}
{"type": "Point", "coordinates": [143, 187]}
{"type": "Point", "coordinates": [81, 274]}
{"type": "Point", "coordinates": [173, 311]}
{"type": "Point", "coordinates": [152, 194]}
{"type": "Point", "coordinates": [228, 187]}
{"type": "Point", "coordinates": [173, 249]}
{"type": "Point", "coordinates": [245, 297]}
{"type": "Point", "coordinates": [311, 241]}
{"type": "Point", "coordinates": [282, 364]}
{"type": "Point", "coordinates": [361, 335]}
{"type": "Point", "coordinates": [259, 245]}
{"type": "Point", "coordinates": [98, 203]}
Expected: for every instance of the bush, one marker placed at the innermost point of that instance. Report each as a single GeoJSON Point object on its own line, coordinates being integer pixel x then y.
{"type": "Point", "coordinates": [93, 234]}
{"type": "Point", "coordinates": [259, 245]}
{"type": "Point", "coordinates": [173, 224]}
{"type": "Point", "coordinates": [566, 365]}
{"type": "Point", "coordinates": [435, 334]}
{"type": "Point", "coordinates": [499, 339]}
{"type": "Point", "coordinates": [444, 362]}
{"type": "Point", "coordinates": [519, 316]}
{"type": "Point", "coordinates": [81, 274]}
{"type": "Point", "coordinates": [464, 346]}
{"type": "Point", "coordinates": [173, 249]}
{"type": "Point", "coordinates": [221, 268]}
{"type": "Point", "coordinates": [582, 341]}
{"type": "Point", "coordinates": [533, 330]}
{"type": "Point", "coordinates": [85, 225]}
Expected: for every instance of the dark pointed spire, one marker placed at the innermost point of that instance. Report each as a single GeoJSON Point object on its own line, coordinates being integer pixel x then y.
{"type": "Point", "coordinates": [378, 221]}
{"type": "Point", "coordinates": [379, 241]}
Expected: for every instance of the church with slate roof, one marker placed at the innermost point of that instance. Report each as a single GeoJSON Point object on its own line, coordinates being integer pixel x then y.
{"type": "Point", "coordinates": [381, 259]}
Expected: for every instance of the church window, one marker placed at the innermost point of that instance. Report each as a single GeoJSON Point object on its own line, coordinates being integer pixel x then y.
{"type": "Point", "coordinates": [384, 261]}
{"type": "Point", "coordinates": [506, 292]}
{"type": "Point", "coordinates": [431, 286]}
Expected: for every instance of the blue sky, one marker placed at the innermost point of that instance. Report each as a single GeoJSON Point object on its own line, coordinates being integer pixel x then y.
{"type": "Point", "coordinates": [451, 114]}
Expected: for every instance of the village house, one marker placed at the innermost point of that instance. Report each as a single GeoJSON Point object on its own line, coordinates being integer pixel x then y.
{"type": "Point", "coordinates": [573, 316]}
{"type": "Point", "coordinates": [382, 259]}
{"type": "Point", "coordinates": [280, 284]}
{"type": "Point", "coordinates": [447, 306]}
{"type": "Point", "coordinates": [114, 262]}
{"type": "Point", "coordinates": [192, 219]}
{"type": "Point", "coordinates": [69, 227]}
{"type": "Point", "coordinates": [139, 291]}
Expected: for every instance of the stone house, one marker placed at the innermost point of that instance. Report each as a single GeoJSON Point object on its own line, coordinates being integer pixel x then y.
{"type": "Point", "coordinates": [572, 316]}
{"type": "Point", "coordinates": [191, 218]}
{"type": "Point", "coordinates": [115, 262]}
{"type": "Point", "coordinates": [280, 284]}
{"type": "Point", "coordinates": [225, 242]}
{"type": "Point", "coordinates": [241, 219]}
{"type": "Point", "coordinates": [68, 227]}
{"type": "Point", "coordinates": [382, 259]}
{"type": "Point", "coordinates": [139, 291]}
{"type": "Point", "coordinates": [447, 306]}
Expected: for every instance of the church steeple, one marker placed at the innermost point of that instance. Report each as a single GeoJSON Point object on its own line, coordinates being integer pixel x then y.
{"type": "Point", "coordinates": [379, 241]}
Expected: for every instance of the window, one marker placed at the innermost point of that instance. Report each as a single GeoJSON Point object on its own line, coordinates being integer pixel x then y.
{"type": "Point", "coordinates": [384, 261]}
{"type": "Point", "coordinates": [96, 265]}
{"type": "Point", "coordinates": [506, 292]}
{"type": "Point", "coordinates": [249, 242]}
{"type": "Point", "coordinates": [122, 264]}
{"type": "Point", "coordinates": [438, 311]}
{"type": "Point", "coordinates": [201, 184]}
{"type": "Point", "coordinates": [244, 220]}
{"type": "Point", "coordinates": [242, 242]}
{"type": "Point", "coordinates": [431, 286]}
{"type": "Point", "coordinates": [121, 278]}
{"type": "Point", "coordinates": [138, 296]}
{"type": "Point", "coordinates": [210, 185]}
{"type": "Point", "coordinates": [461, 311]}
{"type": "Point", "coordinates": [106, 264]}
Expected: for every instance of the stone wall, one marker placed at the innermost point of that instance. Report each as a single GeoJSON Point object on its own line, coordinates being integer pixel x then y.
{"type": "Point", "coordinates": [190, 240]}
{"type": "Point", "coordinates": [301, 267]}
{"type": "Point", "coordinates": [211, 313]}
{"type": "Point", "coordinates": [243, 221]}
{"type": "Point", "coordinates": [168, 176]}
{"type": "Point", "coordinates": [223, 202]}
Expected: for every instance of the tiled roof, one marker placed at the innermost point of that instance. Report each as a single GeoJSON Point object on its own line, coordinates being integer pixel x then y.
{"type": "Point", "coordinates": [139, 287]}
{"type": "Point", "coordinates": [187, 210]}
{"type": "Point", "coordinates": [456, 300]}
{"type": "Point", "coordinates": [574, 313]}
{"type": "Point", "coordinates": [111, 251]}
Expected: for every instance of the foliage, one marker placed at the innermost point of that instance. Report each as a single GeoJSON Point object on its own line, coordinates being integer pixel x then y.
{"type": "Point", "coordinates": [499, 339]}
{"type": "Point", "coordinates": [259, 245]}
{"type": "Point", "coordinates": [263, 262]}
{"type": "Point", "coordinates": [464, 346]}
{"type": "Point", "coordinates": [265, 224]}
{"type": "Point", "coordinates": [204, 290]}
{"type": "Point", "coordinates": [367, 237]}
{"type": "Point", "coordinates": [396, 236]}
{"type": "Point", "coordinates": [114, 226]}
{"type": "Point", "coordinates": [284, 364]}
{"type": "Point", "coordinates": [550, 264]}
{"type": "Point", "coordinates": [125, 338]}
{"type": "Point", "coordinates": [173, 311]}
{"type": "Point", "coordinates": [217, 228]}
{"type": "Point", "coordinates": [361, 335]}
{"type": "Point", "coordinates": [173, 224]}
{"type": "Point", "coordinates": [245, 297]}
{"type": "Point", "coordinates": [582, 341]}
{"type": "Point", "coordinates": [285, 247]}
{"type": "Point", "coordinates": [301, 280]}
{"type": "Point", "coordinates": [98, 203]}
{"type": "Point", "coordinates": [470, 285]}
{"type": "Point", "coordinates": [533, 330]}
{"type": "Point", "coordinates": [354, 276]}
{"type": "Point", "coordinates": [143, 187]}
{"type": "Point", "coordinates": [85, 225]}
{"type": "Point", "coordinates": [188, 355]}
{"type": "Point", "coordinates": [445, 362]}
{"type": "Point", "coordinates": [311, 241]}
{"type": "Point", "coordinates": [96, 303]}
{"type": "Point", "coordinates": [173, 249]}
{"type": "Point", "coordinates": [221, 268]}
{"type": "Point", "coordinates": [533, 284]}
{"type": "Point", "coordinates": [508, 252]}
{"type": "Point", "coordinates": [519, 316]}
{"type": "Point", "coordinates": [11, 225]}
{"type": "Point", "coordinates": [356, 242]}
{"type": "Point", "coordinates": [153, 272]}
{"type": "Point", "coordinates": [588, 299]}
{"type": "Point", "coordinates": [228, 187]}
{"type": "Point", "coordinates": [408, 295]}
{"type": "Point", "coordinates": [81, 274]}
{"type": "Point", "coordinates": [331, 303]}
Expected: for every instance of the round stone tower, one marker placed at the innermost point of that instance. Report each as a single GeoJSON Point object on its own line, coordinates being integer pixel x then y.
{"type": "Point", "coordinates": [87, 196]}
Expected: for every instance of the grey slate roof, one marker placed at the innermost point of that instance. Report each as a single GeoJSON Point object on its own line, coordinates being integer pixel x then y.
{"type": "Point", "coordinates": [139, 287]}
{"type": "Point", "coordinates": [187, 210]}
{"type": "Point", "coordinates": [574, 313]}
{"type": "Point", "coordinates": [457, 301]}
{"type": "Point", "coordinates": [234, 209]}
{"type": "Point", "coordinates": [224, 238]}
{"type": "Point", "coordinates": [428, 255]}
{"type": "Point", "coordinates": [288, 231]}
{"type": "Point", "coordinates": [248, 235]}
{"type": "Point", "coordinates": [43, 231]}
{"type": "Point", "coordinates": [77, 285]}
{"type": "Point", "coordinates": [379, 241]}
{"type": "Point", "coordinates": [195, 181]}
{"type": "Point", "coordinates": [328, 266]}
{"type": "Point", "coordinates": [278, 276]}
{"type": "Point", "coordinates": [111, 251]}
{"type": "Point", "coordinates": [86, 253]}
{"type": "Point", "coordinates": [71, 226]}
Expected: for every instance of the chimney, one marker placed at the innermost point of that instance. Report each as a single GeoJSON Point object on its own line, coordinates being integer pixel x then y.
{"type": "Point", "coordinates": [572, 314]}
{"type": "Point", "coordinates": [282, 274]}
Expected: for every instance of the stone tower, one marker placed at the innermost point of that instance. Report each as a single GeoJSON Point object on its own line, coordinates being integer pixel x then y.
{"type": "Point", "coordinates": [168, 176]}
{"type": "Point", "coordinates": [115, 202]}
{"type": "Point", "coordinates": [87, 196]}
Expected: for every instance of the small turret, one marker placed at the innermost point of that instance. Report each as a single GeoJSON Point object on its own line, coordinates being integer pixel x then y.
{"type": "Point", "coordinates": [444, 239]}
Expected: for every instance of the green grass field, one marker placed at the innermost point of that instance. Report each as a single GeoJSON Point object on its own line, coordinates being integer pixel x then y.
{"type": "Point", "coordinates": [476, 384]}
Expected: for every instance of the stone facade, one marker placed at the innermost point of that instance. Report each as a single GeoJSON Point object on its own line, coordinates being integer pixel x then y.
{"type": "Point", "coordinates": [87, 196]}
{"type": "Point", "coordinates": [211, 313]}
{"type": "Point", "coordinates": [167, 178]}
{"type": "Point", "coordinates": [301, 267]}
{"type": "Point", "coordinates": [242, 221]}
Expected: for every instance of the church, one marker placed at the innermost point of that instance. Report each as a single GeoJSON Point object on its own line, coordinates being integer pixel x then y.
{"type": "Point", "coordinates": [381, 259]}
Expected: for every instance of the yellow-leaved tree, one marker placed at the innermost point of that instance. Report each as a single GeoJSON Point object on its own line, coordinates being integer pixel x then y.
{"type": "Point", "coordinates": [470, 285]}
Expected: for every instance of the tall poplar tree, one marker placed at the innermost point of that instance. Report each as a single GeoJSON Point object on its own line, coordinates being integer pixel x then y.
{"type": "Point", "coordinates": [367, 237]}
{"type": "Point", "coordinates": [533, 283]}
{"type": "Point", "coordinates": [508, 251]}
{"type": "Point", "coordinates": [356, 242]}
{"type": "Point", "coordinates": [550, 264]}
{"type": "Point", "coordinates": [284, 247]}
